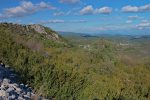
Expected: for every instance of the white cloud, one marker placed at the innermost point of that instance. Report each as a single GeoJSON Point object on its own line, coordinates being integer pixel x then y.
{"type": "Point", "coordinates": [45, 5]}
{"type": "Point", "coordinates": [87, 10]}
{"type": "Point", "coordinates": [143, 25]}
{"type": "Point", "coordinates": [90, 10]}
{"type": "Point", "coordinates": [73, 11]}
{"type": "Point", "coordinates": [129, 21]}
{"type": "Point", "coordinates": [101, 28]}
{"type": "Point", "coordinates": [133, 17]}
{"type": "Point", "coordinates": [26, 8]}
{"type": "Point", "coordinates": [104, 10]}
{"type": "Point", "coordinates": [56, 21]}
{"type": "Point", "coordinates": [62, 21]}
{"type": "Point", "coordinates": [145, 21]}
{"type": "Point", "coordinates": [129, 8]}
{"type": "Point", "coordinates": [64, 13]}
{"type": "Point", "coordinates": [145, 8]}
{"type": "Point", "coordinates": [59, 13]}
{"type": "Point", "coordinates": [77, 21]}
{"type": "Point", "coordinates": [69, 1]}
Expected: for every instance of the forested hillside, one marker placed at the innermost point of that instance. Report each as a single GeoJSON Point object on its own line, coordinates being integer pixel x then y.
{"type": "Point", "coordinates": [82, 69]}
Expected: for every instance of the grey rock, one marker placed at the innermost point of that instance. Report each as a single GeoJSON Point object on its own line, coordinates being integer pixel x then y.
{"type": "Point", "coordinates": [6, 81]}
{"type": "Point", "coordinates": [2, 93]}
{"type": "Point", "coordinates": [29, 94]}
{"type": "Point", "coordinates": [26, 85]}
{"type": "Point", "coordinates": [38, 28]}
{"type": "Point", "coordinates": [20, 98]}
{"type": "Point", "coordinates": [18, 90]}
{"type": "Point", "coordinates": [10, 89]}
{"type": "Point", "coordinates": [13, 96]}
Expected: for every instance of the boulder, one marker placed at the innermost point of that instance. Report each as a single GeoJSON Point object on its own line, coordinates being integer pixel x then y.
{"type": "Point", "coordinates": [3, 93]}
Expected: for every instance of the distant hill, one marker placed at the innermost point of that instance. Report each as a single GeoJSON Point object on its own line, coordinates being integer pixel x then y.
{"type": "Point", "coordinates": [141, 37]}
{"type": "Point", "coordinates": [73, 34]}
{"type": "Point", "coordinates": [113, 37]}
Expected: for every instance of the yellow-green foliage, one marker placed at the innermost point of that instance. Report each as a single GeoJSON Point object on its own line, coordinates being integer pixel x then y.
{"type": "Point", "coordinates": [74, 72]}
{"type": "Point", "coordinates": [36, 69]}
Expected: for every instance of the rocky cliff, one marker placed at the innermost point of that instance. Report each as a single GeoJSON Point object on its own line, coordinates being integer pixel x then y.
{"type": "Point", "coordinates": [34, 28]}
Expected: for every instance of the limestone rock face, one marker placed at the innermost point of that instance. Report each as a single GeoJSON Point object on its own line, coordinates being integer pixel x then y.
{"type": "Point", "coordinates": [29, 29]}
{"type": "Point", "coordinates": [11, 90]}
{"type": "Point", "coordinates": [38, 28]}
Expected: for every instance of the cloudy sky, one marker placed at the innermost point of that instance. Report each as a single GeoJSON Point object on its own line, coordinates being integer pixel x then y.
{"type": "Point", "coordinates": [84, 16]}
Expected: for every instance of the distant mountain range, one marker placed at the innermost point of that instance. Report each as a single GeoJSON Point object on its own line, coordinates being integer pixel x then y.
{"type": "Point", "coordinates": [87, 35]}
{"type": "Point", "coordinates": [141, 37]}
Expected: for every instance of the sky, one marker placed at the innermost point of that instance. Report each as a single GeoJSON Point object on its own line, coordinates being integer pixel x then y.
{"type": "Point", "coordinates": [82, 16]}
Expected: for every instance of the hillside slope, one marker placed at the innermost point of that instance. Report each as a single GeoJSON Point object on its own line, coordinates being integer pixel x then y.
{"type": "Point", "coordinates": [89, 69]}
{"type": "Point", "coordinates": [32, 29]}
{"type": "Point", "coordinates": [24, 50]}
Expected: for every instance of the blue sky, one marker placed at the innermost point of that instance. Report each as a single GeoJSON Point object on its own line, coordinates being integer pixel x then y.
{"type": "Point", "coordinates": [84, 16]}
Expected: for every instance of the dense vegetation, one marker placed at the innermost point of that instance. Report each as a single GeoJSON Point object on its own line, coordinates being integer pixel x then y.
{"type": "Point", "coordinates": [83, 69]}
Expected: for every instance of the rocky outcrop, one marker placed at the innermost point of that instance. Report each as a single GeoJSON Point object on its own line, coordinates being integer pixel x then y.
{"type": "Point", "coordinates": [34, 28]}
{"type": "Point", "coordinates": [11, 90]}
{"type": "Point", "coordinates": [38, 28]}
{"type": "Point", "coordinates": [50, 34]}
